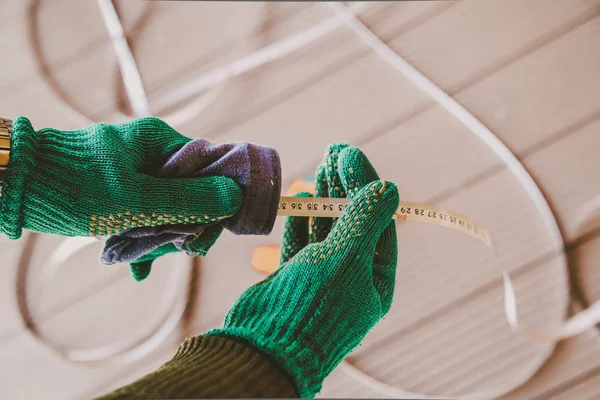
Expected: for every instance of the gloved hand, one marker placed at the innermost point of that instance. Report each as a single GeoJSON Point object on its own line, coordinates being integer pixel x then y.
{"type": "Point", "coordinates": [105, 180]}
{"type": "Point", "coordinates": [256, 169]}
{"type": "Point", "coordinates": [329, 293]}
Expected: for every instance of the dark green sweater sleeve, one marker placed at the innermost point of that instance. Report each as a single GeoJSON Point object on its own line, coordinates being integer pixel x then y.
{"type": "Point", "coordinates": [211, 366]}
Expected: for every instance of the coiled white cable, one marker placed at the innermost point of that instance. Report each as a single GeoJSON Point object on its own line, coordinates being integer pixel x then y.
{"type": "Point", "coordinates": [130, 72]}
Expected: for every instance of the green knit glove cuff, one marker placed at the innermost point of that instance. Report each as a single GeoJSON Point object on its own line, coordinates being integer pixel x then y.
{"type": "Point", "coordinates": [22, 160]}
{"type": "Point", "coordinates": [299, 362]}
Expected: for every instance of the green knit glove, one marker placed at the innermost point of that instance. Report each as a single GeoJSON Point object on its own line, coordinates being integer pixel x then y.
{"type": "Point", "coordinates": [97, 182]}
{"type": "Point", "coordinates": [326, 295]}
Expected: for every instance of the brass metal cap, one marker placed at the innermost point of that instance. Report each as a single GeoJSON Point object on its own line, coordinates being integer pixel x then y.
{"type": "Point", "coordinates": [5, 137]}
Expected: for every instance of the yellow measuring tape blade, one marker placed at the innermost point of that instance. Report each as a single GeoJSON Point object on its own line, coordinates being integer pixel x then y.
{"type": "Point", "coordinates": [408, 211]}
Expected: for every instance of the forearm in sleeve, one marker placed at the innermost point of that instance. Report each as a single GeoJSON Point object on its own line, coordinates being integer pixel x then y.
{"type": "Point", "coordinates": [211, 366]}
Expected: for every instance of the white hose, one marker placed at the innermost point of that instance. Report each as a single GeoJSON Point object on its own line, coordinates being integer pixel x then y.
{"type": "Point", "coordinates": [130, 72]}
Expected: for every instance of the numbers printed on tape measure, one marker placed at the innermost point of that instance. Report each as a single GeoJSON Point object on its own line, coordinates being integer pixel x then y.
{"type": "Point", "coordinates": [408, 211]}
{"type": "Point", "coordinates": [294, 205]}
{"type": "Point", "coordinates": [404, 212]}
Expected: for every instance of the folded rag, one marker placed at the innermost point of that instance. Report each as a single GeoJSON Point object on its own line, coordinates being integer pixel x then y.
{"type": "Point", "coordinates": [256, 169]}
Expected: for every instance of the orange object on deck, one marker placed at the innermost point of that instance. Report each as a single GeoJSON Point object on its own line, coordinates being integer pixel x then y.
{"type": "Point", "coordinates": [300, 185]}
{"type": "Point", "coordinates": [265, 258]}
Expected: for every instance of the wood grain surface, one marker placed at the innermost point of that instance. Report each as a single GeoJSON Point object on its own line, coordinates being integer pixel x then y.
{"type": "Point", "coordinates": [529, 70]}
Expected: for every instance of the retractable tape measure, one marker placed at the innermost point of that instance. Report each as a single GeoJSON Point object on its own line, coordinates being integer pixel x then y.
{"type": "Point", "coordinates": [408, 211]}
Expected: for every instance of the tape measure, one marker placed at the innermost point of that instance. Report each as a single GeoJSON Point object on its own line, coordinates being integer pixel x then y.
{"type": "Point", "coordinates": [324, 207]}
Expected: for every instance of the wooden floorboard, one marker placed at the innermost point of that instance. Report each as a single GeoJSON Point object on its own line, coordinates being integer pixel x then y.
{"type": "Point", "coordinates": [528, 70]}
{"type": "Point", "coordinates": [362, 118]}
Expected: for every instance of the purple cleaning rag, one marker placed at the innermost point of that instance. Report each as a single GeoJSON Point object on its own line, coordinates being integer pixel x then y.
{"type": "Point", "coordinates": [256, 169]}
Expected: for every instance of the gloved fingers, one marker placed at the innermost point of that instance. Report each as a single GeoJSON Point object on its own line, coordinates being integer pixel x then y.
{"type": "Point", "coordinates": [384, 265]}
{"type": "Point", "coordinates": [295, 234]}
{"type": "Point", "coordinates": [142, 251]}
{"type": "Point", "coordinates": [200, 243]}
{"type": "Point", "coordinates": [355, 170]}
{"type": "Point", "coordinates": [320, 227]}
{"type": "Point", "coordinates": [325, 177]}
{"type": "Point", "coordinates": [140, 270]}
{"type": "Point", "coordinates": [149, 141]}
{"type": "Point", "coordinates": [256, 169]}
{"type": "Point", "coordinates": [358, 230]}
{"type": "Point", "coordinates": [334, 183]}
{"type": "Point", "coordinates": [386, 249]}
{"type": "Point", "coordinates": [169, 201]}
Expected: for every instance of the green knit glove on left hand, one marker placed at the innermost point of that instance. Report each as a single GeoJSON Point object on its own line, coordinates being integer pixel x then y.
{"type": "Point", "coordinates": [97, 181]}
{"type": "Point", "coordinates": [326, 295]}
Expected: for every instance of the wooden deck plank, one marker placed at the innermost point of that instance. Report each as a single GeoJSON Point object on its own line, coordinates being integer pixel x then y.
{"type": "Point", "coordinates": [539, 101]}
{"type": "Point", "coordinates": [359, 119]}
{"type": "Point", "coordinates": [406, 41]}
{"type": "Point", "coordinates": [530, 32]}
{"type": "Point", "coordinates": [189, 51]}
{"type": "Point", "coordinates": [585, 273]}
{"type": "Point", "coordinates": [567, 171]}
{"type": "Point", "coordinates": [101, 318]}
{"type": "Point", "coordinates": [573, 361]}
{"type": "Point", "coordinates": [588, 389]}
{"type": "Point", "coordinates": [76, 37]}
